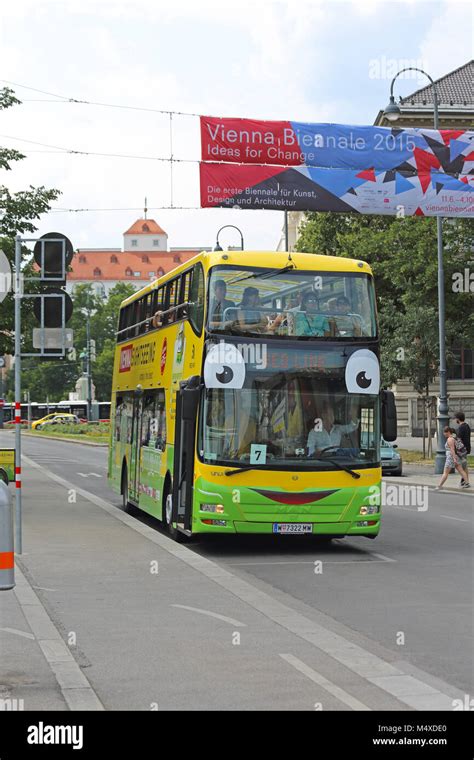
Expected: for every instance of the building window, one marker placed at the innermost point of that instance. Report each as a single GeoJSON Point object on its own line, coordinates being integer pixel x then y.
{"type": "Point", "coordinates": [151, 274]}
{"type": "Point", "coordinates": [160, 272]}
{"type": "Point", "coordinates": [137, 274]}
{"type": "Point", "coordinates": [177, 259]}
{"type": "Point", "coordinates": [97, 272]}
{"type": "Point", "coordinates": [114, 259]}
{"type": "Point", "coordinates": [156, 243]}
{"type": "Point", "coordinates": [145, 259]}
{"type": "Point", "coordinates": [461, 365]}
{"type": "Point", "coordinates": [134, 243]}
{"type": "Point", "coordinates": [82, 259]}
{"type": "Point", "coordinates": [128, 272]}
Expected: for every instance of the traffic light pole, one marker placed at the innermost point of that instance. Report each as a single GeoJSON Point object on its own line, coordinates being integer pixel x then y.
{"type": "Point", "coordinates": [17, 299]}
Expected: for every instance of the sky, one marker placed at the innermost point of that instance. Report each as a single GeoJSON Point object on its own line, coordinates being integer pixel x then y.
{"type": "Point", "coordinates": [300, 60]}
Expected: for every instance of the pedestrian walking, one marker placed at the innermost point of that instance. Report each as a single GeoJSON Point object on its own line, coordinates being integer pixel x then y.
{"type": "Point", "coordinates": [455, 452]}
{"type": "Point", "coordinates": [464, 433]}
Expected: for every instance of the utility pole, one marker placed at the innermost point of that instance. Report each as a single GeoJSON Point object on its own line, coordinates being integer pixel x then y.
{"type": "Point", "coordinates": [17, 299]}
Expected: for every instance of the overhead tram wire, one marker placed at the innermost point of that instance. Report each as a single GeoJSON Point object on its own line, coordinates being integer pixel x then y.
{"type": "Point", "coordinates": [78, 101]}
{"type": "Point", "coordinates": [71, 151]}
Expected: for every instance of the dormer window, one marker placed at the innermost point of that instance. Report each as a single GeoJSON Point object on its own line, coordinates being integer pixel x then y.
{"type": "Point", "coordinates": [128, 272]}
{"type": "Point", "coordinates": [177, 259]}
{"type": "Point", "coordinates": [146, 259]}
{"type": "Point", "coordinates": [160, 272]}
{"type": "Point", "coordinates": [97, 272]}
{"type": "Point", "coordinates": [82, 259]}
{"type": "Point", "coordinates": [113, 259]}
{"type": "Point", "coordinates": [145, 227]}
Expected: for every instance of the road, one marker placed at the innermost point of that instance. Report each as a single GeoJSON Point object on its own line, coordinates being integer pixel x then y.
{"type": "Point", "coordinates": [346, 633]}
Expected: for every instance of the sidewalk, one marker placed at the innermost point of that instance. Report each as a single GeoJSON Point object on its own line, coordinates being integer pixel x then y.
{"type": "Point", "coordinates": [423, 475]}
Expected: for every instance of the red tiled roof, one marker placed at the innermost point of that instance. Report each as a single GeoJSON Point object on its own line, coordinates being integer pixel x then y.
{"type": "Point", "coordinates": [145, 227]}
{"type": "Point", "coordinates": [125, 261]}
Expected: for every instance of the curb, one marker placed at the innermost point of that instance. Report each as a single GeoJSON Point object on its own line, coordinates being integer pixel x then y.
{"type": "Point", "coordinates": [445, 489]}
{"type": "Point", "coordinates": [68, 440]}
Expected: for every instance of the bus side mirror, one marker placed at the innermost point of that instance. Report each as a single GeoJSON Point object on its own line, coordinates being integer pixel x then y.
{"type": "Point", "coordinates": [190, 394]}
{"type": "Point", "coordinates": [389, 416]}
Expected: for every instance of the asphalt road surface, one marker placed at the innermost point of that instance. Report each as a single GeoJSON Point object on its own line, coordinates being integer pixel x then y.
{"type": "Point", "coordinates": [404, 598]}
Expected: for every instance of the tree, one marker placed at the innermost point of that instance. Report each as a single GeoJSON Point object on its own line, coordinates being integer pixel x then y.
{"type": "Point", "coordinates": [403, 256]}
{"type": "Point", "coordinates": [18, 212]}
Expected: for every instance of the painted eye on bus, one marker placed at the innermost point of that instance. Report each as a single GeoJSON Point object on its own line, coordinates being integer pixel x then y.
{"type": "Point", "coordinates": [363, 372]}
{"type": "Point", "coordinates": [224, 367]}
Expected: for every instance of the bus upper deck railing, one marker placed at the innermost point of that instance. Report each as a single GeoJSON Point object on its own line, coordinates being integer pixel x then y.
{"type": "Point", "coordinates": [159, 314]}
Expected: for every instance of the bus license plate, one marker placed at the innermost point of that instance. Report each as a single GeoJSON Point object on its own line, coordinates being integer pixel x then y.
{"type": "Point", "coordinates": [292, 527]}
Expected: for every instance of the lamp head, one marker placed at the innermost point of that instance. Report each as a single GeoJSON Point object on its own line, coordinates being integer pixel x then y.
{"type": "Point", "coordinates": [392, 111]}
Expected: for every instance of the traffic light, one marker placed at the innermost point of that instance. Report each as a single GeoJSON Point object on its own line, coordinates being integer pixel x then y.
{"type": "Point", "coordinates": [52, 306]}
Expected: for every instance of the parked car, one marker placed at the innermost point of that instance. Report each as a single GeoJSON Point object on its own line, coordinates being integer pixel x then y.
{"type": "Point", "coordinates": [390, 458]}
{"type": "Point", "coordinates": [56, 419]}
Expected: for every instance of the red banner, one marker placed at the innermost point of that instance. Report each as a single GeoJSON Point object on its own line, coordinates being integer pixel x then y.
{"type": "Point", "coordinates": [248, 141]}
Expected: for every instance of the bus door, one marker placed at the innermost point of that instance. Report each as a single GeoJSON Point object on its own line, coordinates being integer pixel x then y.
{"type": "Point", "coordinates": [187, 400]}
{"type": "Point", "coordinates": [134, 474]}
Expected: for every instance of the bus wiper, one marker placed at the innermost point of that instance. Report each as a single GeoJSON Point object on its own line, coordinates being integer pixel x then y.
{"type": "Point", "coordinates": [354, 474]}
{"type": "Point", "coordinates": [271, 273]}
{"type": "Point", "coordinates": [239, 469]}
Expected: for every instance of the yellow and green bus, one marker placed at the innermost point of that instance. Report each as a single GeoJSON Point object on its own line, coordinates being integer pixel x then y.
{"type": "Point", "coordinates": [246, 397]}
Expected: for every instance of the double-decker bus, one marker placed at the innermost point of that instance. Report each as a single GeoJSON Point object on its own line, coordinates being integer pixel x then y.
{"type": "Point", "coordinates": [246, 397]}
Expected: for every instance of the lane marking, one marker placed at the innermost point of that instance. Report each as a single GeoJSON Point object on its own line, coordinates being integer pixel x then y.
{"type": "Point", "coordinates": [226, 619]}
{"type": "Point", "coordinates": [383, 557]}
{"type": "Point", "coordinates": [311, 562]}
{"type": "Point", "coordinates": [411, 691]}
{"type": "Point", "coordinates": [458, 519]}
{"type": "Point", "coordinates": [18, 633]}
{"type": "Point", "coordinates": [75, 687]}
{"type": "Point", "coordinates": [336, 691]}
{"type": "Point", "coordinates": [43, 588]}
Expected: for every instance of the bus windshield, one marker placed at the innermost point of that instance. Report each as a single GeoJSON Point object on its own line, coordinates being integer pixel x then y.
{"type": "Point", "coordinates": [289, 302]}
{"type": "Point", "coordinates": [288, 407]}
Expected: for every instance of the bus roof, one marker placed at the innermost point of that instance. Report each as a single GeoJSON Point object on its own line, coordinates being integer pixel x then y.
{"type": "Point", "coordinates": [270, 259]}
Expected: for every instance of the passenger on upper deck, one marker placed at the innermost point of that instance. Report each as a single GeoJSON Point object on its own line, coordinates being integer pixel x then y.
{"type": "Point", "coordinates": [347, 323]}
{"type": "Point", "coordinates": [221, 310]}
{"type": "Point", "coordinates": [308, 321]}
{"type": "Point", "coordinates": [249, 316]}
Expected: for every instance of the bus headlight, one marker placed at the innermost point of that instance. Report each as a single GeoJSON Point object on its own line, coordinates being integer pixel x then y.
{"type": "Point", "coordinates": [369, 509]}
{"type": "Point", "coordinates": [217, 508]}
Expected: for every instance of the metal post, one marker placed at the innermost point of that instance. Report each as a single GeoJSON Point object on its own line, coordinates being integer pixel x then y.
{"type": "Point", "coordinates": [7, 556]}
{"type": "Point", "coordinates": [29, 411]}
{"type": "Point", "coordinates": [2, 401]}
{"type": "Point", "coordinates": [17, 299]}
{"type": "Point", "coordinates": [443, 409]}
{"type": "Point", "coordinates": [286, 232]}
{"type": "Point", "coordinates": [88, 368]}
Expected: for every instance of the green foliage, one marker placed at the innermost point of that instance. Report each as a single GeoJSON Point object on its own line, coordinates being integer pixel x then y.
{"type": "Point", "coordinates": [403, 256]}
{"type": "Point", "coordinates": [18, 213]}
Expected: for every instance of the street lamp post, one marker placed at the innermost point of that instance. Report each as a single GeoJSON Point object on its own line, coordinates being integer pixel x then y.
{"type": "Point", "coordinates": [218, 247]}
{"type": "Point", "coordinates": [392, 112]}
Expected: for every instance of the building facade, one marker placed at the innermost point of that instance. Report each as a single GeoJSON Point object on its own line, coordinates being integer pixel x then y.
{"type": "Point", "coordinates": [144, 257]}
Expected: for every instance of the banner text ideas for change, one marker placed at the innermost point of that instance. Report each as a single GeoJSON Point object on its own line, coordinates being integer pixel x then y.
{"type": "Point", "coordinates": [249, 142]}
